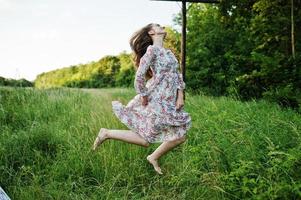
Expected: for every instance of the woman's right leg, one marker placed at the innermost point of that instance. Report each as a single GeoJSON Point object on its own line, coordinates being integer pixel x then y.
{"type": "Point", "coordinates": [123, 135]}
{"type": "Point", "coordinates": [163, 149]}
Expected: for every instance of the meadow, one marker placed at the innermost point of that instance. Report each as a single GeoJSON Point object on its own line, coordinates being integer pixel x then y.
{"type": "Point", "coordinates": [235, 150]}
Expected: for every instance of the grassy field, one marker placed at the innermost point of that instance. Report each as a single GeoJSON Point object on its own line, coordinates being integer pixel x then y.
{"type": "Point", "coordinates": [235, 150]}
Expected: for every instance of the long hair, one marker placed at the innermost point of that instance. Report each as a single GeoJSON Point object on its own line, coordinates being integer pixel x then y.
{"type": "Point", "coordinates": [139, 42]}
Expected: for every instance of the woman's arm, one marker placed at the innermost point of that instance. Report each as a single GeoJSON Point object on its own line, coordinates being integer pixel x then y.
{"type": "Point", "coordinates": [180, 99]}
{"type": "Point", "coordinates": [145, 62]}
{"type": "Point", "coordinates": [180, 93]}
{"type": "Point", "coordinates": [180, 88]}
{"type": "Point", "coordinates": [181, 83]}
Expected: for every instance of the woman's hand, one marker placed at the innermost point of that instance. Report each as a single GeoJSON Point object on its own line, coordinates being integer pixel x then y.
{"type": "Point", "coordinates": [180, 100]}
{"type": "Point", "coordinates": [144, 100]}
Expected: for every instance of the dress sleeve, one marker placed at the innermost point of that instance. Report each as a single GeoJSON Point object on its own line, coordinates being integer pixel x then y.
{"type": "Point", "coordinates": [145, 62]}
{"type": "Point", "coordinates": [180, 83]}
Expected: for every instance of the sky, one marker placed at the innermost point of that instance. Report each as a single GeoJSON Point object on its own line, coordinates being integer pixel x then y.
{"type": "Point", "coordinates": [42, 35]}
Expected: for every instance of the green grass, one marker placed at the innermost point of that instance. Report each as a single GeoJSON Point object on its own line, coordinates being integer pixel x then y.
{"type": "Point", "coordinates": [235, 150]}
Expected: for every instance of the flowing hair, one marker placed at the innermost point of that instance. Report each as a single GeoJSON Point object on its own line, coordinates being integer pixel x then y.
{"type": "Point", "coordinates": [139, 42]}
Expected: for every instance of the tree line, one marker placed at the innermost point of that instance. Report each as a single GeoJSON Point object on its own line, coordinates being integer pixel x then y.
{"type": "Point", "coordinates": [15, 82]}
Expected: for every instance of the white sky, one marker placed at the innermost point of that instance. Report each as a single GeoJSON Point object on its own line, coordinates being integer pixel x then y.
{"type": "Point", "coordinates": [41, 35]}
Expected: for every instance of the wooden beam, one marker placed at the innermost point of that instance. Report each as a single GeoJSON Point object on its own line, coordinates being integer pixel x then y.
{"type": "Point", "coordinates": [194, 1]}
{"type": "Point", "coordinates": [183, 43]}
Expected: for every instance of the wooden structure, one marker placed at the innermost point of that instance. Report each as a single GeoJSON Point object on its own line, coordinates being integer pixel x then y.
{"type": "Point", "coordinates": [183, 38]}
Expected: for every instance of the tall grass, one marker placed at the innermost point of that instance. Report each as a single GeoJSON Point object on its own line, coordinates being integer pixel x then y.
{"type": "Point", "coordinates": [234, 150]}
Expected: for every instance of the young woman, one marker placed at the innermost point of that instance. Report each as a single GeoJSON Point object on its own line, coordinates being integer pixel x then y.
{"type": "Point", "coordinates": [155, 114]}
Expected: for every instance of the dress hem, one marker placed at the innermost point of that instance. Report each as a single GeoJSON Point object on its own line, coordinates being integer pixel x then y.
{"type": "Point", "coordinates": [117, 108]}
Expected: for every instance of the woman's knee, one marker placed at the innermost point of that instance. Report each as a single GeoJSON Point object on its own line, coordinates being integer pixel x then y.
{"type": "Point", "coordinates": [183, 138]}
{"type": "Point", "coordinates": [146, 144]}
{"type": "Point", "coordinates": [180, 140]}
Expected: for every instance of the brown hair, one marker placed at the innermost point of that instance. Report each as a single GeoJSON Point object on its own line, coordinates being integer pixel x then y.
{"type": "Point", "coordinates": [139, 42]}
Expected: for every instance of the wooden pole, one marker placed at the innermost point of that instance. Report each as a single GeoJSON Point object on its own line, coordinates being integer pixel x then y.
{"type": "Point", "coordinates": [292, 29]}
{"type": "Point", "coordinates": [183, 43]}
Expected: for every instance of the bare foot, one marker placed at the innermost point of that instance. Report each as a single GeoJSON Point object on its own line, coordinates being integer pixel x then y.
{"type": "Point", "coordinates": [154, 163]}
{"type": "Point", "coordinates": [102, 136]}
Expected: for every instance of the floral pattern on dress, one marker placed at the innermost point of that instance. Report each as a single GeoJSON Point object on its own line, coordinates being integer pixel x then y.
{"type": "Point", "coordinates": [159, 120]}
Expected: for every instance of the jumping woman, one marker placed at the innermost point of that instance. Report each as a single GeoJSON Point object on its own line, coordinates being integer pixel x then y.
{"type": "Point", "coordinates": [156, 113]}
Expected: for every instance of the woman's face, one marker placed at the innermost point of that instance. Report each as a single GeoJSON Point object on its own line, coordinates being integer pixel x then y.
{"type": "Point", "coordinates": [158, 30]}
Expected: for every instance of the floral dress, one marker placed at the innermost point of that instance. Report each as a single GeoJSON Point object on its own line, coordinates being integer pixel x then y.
{"type": "Point", "coordinates": [159, 120]}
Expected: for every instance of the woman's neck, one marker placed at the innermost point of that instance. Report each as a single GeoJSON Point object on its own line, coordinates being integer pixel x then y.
{"type": "Point", "coordinates": [158, 42]}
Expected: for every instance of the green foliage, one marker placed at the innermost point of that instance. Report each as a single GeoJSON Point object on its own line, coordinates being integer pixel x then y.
{"type": "Point", "coordinates": [15, 83]}
{"type": "Point", "coordinates": [277, 177]}
{"type": "Point", "coordinates": [126, 74]}
{"type": "Point", "coordinates": [244, 48]}
{"type": "Point", "coordinates": [92, 75]}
